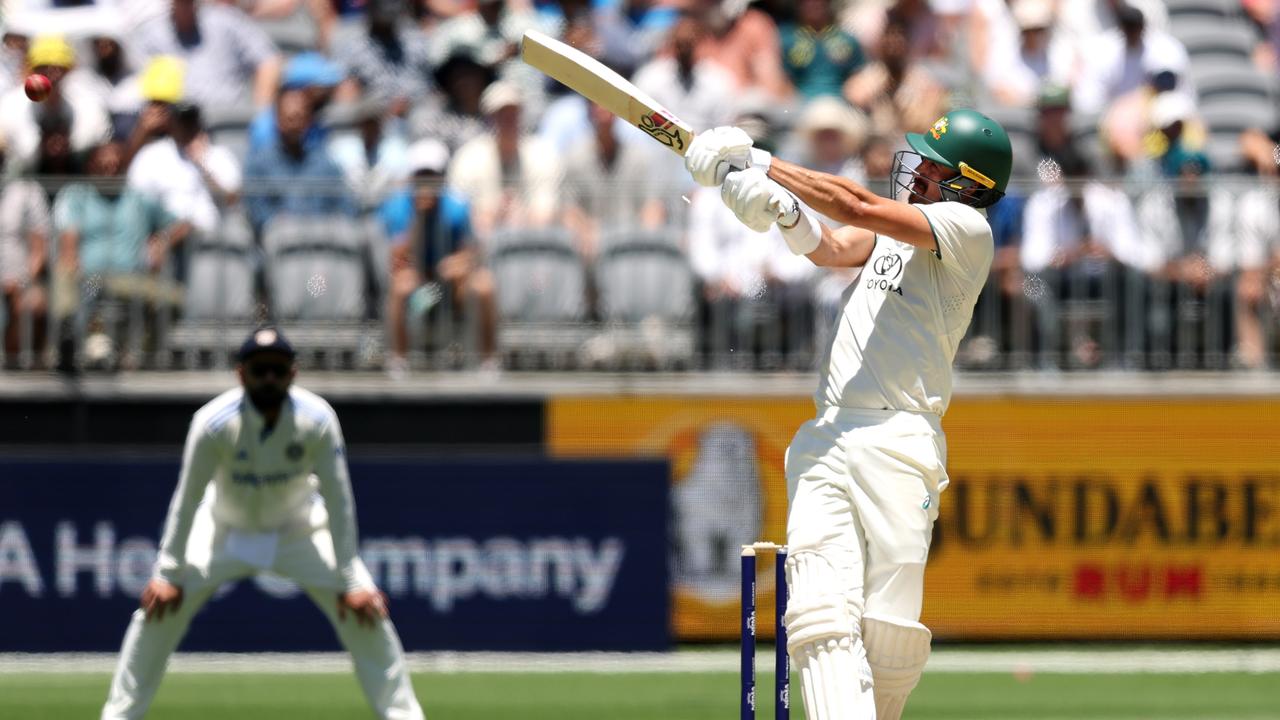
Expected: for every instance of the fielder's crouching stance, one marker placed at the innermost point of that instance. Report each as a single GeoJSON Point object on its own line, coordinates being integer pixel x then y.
{"type": "Point", "coordinates": [864, 475]}
{"type": "Point", "coordinates": [263, 487]}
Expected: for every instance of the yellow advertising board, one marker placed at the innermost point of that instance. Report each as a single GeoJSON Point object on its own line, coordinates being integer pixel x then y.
{"type": "Point", "coordinates": [1067, 517]}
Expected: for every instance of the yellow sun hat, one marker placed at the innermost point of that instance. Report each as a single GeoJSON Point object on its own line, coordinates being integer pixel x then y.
{"type": "Point", "coordinates": [163, 79]}
{"type": "Point", "coordinates": [51, 51]}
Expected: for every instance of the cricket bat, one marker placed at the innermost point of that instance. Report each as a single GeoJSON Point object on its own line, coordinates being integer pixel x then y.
{"type": "Point", "coordinates": [595, 81]}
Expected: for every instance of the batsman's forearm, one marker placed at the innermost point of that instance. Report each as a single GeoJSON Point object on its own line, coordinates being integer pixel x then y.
{"type": "Point", "coordinates": [838, 198]}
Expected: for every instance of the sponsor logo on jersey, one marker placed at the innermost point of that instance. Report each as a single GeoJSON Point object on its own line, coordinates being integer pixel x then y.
{"type": "Point", "coordinates": [887, 270]}
{"type": "Point", "coordinates": [251, 478]}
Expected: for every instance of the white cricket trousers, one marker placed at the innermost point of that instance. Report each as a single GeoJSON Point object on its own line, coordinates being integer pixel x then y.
{"type": "Point", "coordinates": [863, 487]}
{"type": "Point", "coordinates": [304, 556]}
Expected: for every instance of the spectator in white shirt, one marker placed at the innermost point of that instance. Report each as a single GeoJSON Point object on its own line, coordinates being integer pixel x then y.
{"type": "Point", "coordinates": [374, 155]}
{"type": "Point", "coordinates": [1014, 70]}
{"type": "Point", "coordinates": [702, 90]}
{"type": "Point", "coordinates": [752, 284]}
{"type": "Point", "coordinates": [1212, 242]}
{"type": "Point", "coordinates": [108, 75]}
{"type": "Point", "coordinates": [1076, 244]}
{"type": "Point", "coordinates": [230, 60]}
{"type": "Point", "coordinates": [180, 167]}
{"type": "Point", "coordinates": [21, 119]}
{"type": "Point", "coordinates": [24, 238]}
{"type": "Point", "coordinates": [611, 184]}
{"type": "Point", "coordinates": [510, 178]}
{"type": "Point", "coordinates": [1124, 60]}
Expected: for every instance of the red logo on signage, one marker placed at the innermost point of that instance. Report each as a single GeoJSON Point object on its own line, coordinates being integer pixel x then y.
{"type": "Point", "coordinates": [1137, 583]}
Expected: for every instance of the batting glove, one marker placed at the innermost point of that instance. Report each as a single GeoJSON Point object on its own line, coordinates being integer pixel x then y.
{"type": "Point", "coordinates": [716, 152]}
{"type": "Point", "coordinates": [757, 201]}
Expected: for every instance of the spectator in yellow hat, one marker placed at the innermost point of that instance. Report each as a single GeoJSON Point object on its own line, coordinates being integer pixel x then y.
{"type": "Point", "coordinates": [175, 163]}
{"type": "Point", "coordinates": [21, 119]}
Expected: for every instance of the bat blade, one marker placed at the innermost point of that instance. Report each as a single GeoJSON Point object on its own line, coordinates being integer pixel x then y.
{"type": "Point", "coordinates": [601, 85]}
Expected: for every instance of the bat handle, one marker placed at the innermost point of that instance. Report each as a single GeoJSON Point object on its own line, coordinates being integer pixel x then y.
{"type": "Point", "coordinates": [723, 170]}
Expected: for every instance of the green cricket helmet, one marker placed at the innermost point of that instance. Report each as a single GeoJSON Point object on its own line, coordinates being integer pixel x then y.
{"type": "Point", "coordinates": [973, 145]}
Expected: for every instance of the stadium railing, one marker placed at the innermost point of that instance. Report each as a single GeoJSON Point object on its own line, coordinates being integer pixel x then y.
{"type": "Point", "coordinates": [1174, 275]}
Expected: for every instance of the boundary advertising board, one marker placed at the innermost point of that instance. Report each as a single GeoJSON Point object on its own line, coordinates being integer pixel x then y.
{"type": "Point", "coordinates": [512, 554]}
{"type": "Point", "coordinates": [1066, 517]}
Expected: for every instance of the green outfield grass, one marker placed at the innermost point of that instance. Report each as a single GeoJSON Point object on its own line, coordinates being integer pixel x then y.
{"type": "Point", "coordinates": [649, 697]}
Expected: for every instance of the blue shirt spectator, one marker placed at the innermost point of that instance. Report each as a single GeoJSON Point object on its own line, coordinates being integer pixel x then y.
{"type": "Point", "coordinates": [309, 71]}
{"type": "Point", "coordinates": [442, 230]}
{"type": "Point", "coordinates": [108, 230]}
{"type": "Point", "coordinates": [290, 177]}
{"type": "Point", "coordinates": [433, 258]}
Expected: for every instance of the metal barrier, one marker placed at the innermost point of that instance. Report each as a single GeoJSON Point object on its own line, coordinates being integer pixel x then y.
{"type": "Point", "coordinates": [636, 277]}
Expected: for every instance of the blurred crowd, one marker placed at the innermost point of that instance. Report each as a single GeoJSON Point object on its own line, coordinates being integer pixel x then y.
{"type": "Point", "coordinates": [1143, 223]}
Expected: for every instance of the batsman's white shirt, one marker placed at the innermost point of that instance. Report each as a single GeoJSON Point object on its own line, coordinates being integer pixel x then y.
{"type": "Point", "coordinates": [289, 478]}
{"type": "Point", "coordinates": [904, 316]}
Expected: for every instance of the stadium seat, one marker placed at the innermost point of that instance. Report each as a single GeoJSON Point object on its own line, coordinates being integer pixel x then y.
{"type": "Point", "coordinates": [1201, 9]}
{"type": "Point", "coordinates": [1236, 116]}
{"type": "Point", "coordinates": [315, 267]}
{"type": "Point", "coordinates": [220, 299]}
{"type": "Point", "coordinates": [1215, 41]}
{"type": "Point", "coordinates": [229, 127]}
{"type": "Point", "coordinates": [293, 34]}
{"type": "Point", "coordinates": [1220, 82]}
{"type": "Point", "coordinates": [220, 273]}
{"type": "Point", "coordinates": [318, 271]}
{"type": "Point", "coordinates": [541, 293]}
{"type": "Point", "coordinates": [646, 298]}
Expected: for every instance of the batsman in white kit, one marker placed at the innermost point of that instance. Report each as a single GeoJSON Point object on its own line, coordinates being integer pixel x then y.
{"type": "Point", "coordinates": [263, 487]}
{"type": "Point", "coordinates": [865, 474]}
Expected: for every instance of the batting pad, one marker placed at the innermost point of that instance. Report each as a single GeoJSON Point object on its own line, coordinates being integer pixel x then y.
{"type": "Point", "coordinates": [897, 651]}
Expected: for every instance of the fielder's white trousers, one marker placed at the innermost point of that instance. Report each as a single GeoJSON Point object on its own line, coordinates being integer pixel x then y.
{"type": "Point", "coordinates": [304, 556]}
{"type": "Point", "coordinates": [863, 487]}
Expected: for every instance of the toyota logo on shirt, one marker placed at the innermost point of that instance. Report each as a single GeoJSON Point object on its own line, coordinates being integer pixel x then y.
{"type": "Point", "coordinates": [888, 266]}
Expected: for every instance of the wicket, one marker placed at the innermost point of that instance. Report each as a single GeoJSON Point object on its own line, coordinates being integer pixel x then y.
{"type": "Point", "coordinates": [782, 665]}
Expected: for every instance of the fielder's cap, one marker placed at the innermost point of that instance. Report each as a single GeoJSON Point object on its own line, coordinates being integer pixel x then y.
{"type": "Point", "coordinates": [310, 69]}
{"type": "Point", "coordinates": [831, 113]}
{"type": "Point", "coordinates": [163, 80]}
{"type": "Point", "coordinates": [429, 155]}
{"type": "Point", "coordinates": [1171, 107]}
{"type": "Point", "coordinates": [51, 51]}
{"type": "Point", "coordinates": [498, 95]}
{"type": "Point", "coordinates": [262, 340]}
{"type": "Point", "coordinates": [1033, 14]}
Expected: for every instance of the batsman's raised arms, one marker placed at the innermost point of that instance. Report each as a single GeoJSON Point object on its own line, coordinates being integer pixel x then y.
{"type": "Point", "coordinates": [596, 82]}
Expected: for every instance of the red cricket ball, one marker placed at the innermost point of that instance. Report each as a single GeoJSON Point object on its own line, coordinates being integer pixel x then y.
{"type": "Point", "coordinates": [38, 87]}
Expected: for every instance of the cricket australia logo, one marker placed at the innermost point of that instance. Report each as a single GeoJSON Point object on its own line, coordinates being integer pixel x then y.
{"type": "Point", "coordinates": [663, 129]}
{"type": "Point", "coordinates": [939, 128]}
{"type": "Point", "coordinates": [887, 271]}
